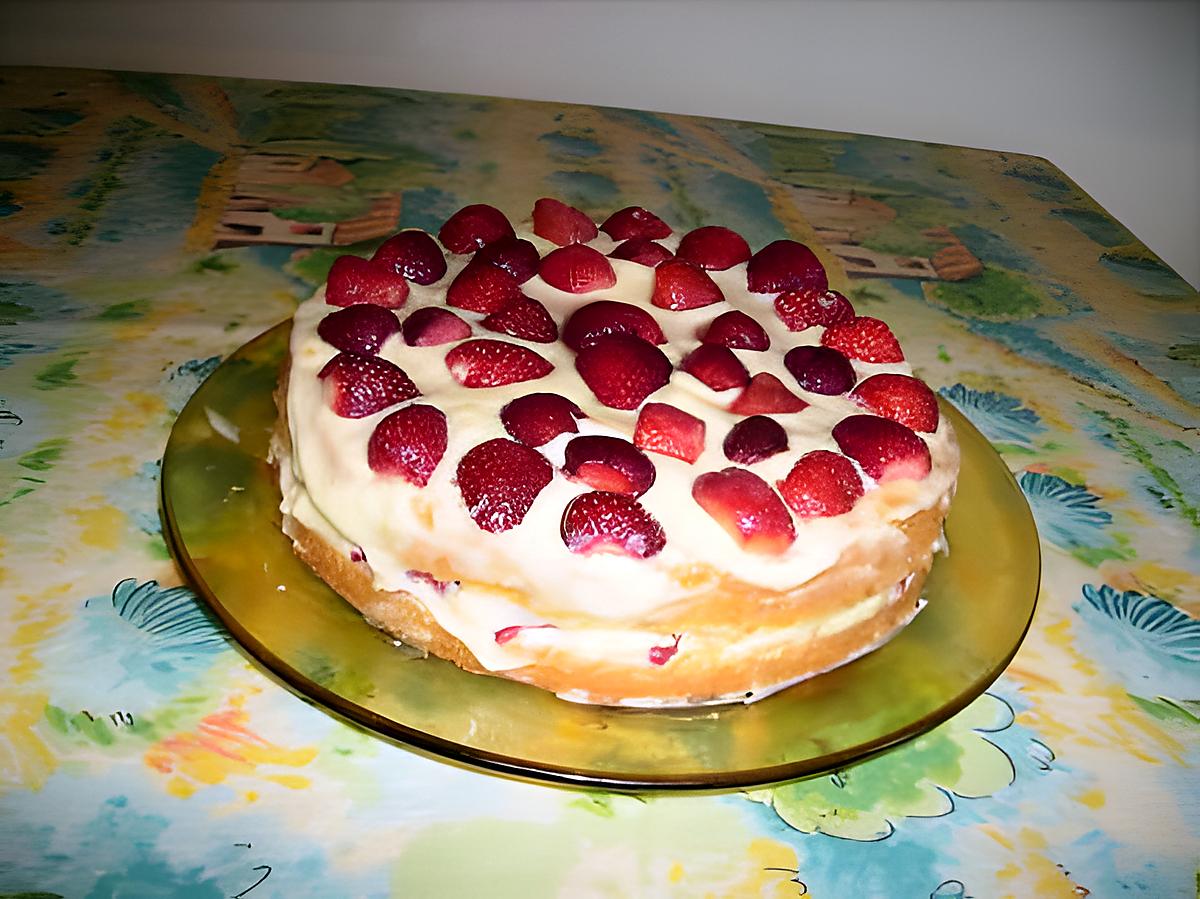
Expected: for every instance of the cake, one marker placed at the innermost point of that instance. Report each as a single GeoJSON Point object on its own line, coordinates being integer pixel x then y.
{"type": "Point", "coordinates": [623, 464]}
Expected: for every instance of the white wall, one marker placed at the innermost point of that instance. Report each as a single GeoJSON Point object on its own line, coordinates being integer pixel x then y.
{"type": "Point", "coordinates": [1108, 91]}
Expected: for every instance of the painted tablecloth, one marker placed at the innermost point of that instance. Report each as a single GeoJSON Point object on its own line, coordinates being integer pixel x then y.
{"type": "Point", "coordinates": [149, 225]}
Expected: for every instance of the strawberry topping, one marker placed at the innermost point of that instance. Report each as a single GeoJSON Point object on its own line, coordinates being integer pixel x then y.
{"type": "Point", "coordinates": [738, 331]}
{"type": "Point", "coordinates": [800, 309]}
{"type": "Point", "coordinates": [680, 285]}
{"type": "Point", "coordinates": [603, 522]}
{"type": "Point", "coordinates": [433, 326]}
{"type": "Point", "coordinates": [610, 317]}
{"type": "Point", "coordinates": [409, 442]}
{"type": "Point", "coordinates": [716, 366]}
{"type": "Point", "coordinates": [622, 370]}
{"type": "Point", "coordinates": [609, 463]}
{"type": "Point", "coordinates": [505, 634]}
{"type": "Point", "coordinates": [643, 251]}
{"type": "Point", "coordinates": [494, 363]}
{"type": "Point", "coordinates": [661, 428]}
{"type": "Point", "coordinates": [361, 328]}
{"type": "Point", "coordinates": [537, 418]}
{"type": "Point", "coordinates": [499, 480]}
{"type": "Point", "coordinates": [820, 369]}
{"type": "Point", "coordinates": [714, 248]}
{"type": "Point", "coordinates": [864, 338]}
{"type": "Point", "coordinates": [754, 439]}
{"type": "Point", "coordinates": [886, 450]}
{"type": "Point", "coordinates": [765, 394]}
{"type": "Point", "coordinates": [821, 484]}
{"type": "Point", "coordinates": [785, 265]}
{"type": "Point", "coordinates": [525, 318]}
{"type": "Point", "coordinates": [474, 227]}
{"type": "Point", "coordinates": [747, 508]}
{"type": "Point", "coordinates": [634, 221]}
{"type": "Point", "coordinates": [413, 254]}
{"type": "Point", "coordinates": [484, 288]}
{"type": "Point", "coordinates": [354, 280]}
{"type": "Point", "coordinates": [516, 256]}
{"type": "Point", "coordinates": [900, 398]}
{"type": "Point", "coordinates": [660, 655]}
{"type": "Point", "coordinates": [357, 386]}
{"type": "Point", "coordinates": [559, 223]}
{"type": "Point", "coordinates": [577, 269]}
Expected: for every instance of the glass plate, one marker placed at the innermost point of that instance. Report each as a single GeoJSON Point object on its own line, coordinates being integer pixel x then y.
{"type": "Point", "coordinates": [220, 504]}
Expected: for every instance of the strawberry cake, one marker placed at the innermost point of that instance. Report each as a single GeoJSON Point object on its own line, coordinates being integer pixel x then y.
{"type": "Point", "coordinates": [626, 465]}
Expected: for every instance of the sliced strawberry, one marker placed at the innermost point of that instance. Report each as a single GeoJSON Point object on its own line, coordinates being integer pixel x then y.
{"type": "Point", "coordinates": [738, 331]}
{"type": "Point", "coordinates": [353, 280]}
{"type": "Point", "coordinates": [413, 254]}
{"type": "Point", "coordinates": [432, 326]}
{"type": "Point", "coordinates": [886, 450]}
{"type": "Point", "coordinates": [499, 480]}
{"type": "Point", "coordinates": [507, 634]}
{"type": "Point", "coordinates": [754, 439]}
{"type": "Point", "coordinates": [715, 366]}
{"type": "Point", "coordinates": [785, 265]}
{"type": "Point", "coordinates": [819, 369]}
{"type": "Point", "coordinates": [525, 318]}
{"type": "Point", "coordinates": [603, 522]}
{"type": "Point", "coordinates": [660, 655]}
{"type": "Point", "coordinates": [561, 224]}
{"type": "Point", "coordinates": [634, 221]}
{"type": "Point", "coordinates": [516, 256]}
{"type": "Point", "coordinates": [494, 363]}
{"type": "Point", "coordinates": [357, 385]}
{"type": "Point", "coordinates": [537, 418]}
{"type": "Point", "coordinates": [643, 251]}
{"type": "Point", "coordinates": [800, 309]}
{"type": "Point", "coordinates": [361, 328]}
{"type": "Point", "coordinates": [900, 398]}
{"type": "Point", "coordinates": [661, 428]}
{"type": "Point", "coordinates": [864, 338]}
{"type": "Point", "coordinates": [474, 227]}
{"type": "Point", "coordinates": [610, 317]}
{"type": "Point", "coordinates": [577, 269]}
{"type": "Point", "coordinates": [765, 394]}
{"type": "Point", "coordinates": [608, 463]}
{"type": "Point", "coordinates": [713, 248]}
{"type": "Point", "coordinates": [747, 508]}
{"type": "Point", "coordinates": [481, 287]}
{"type": "Point", "coordinates": [821, 484]}
{"type": "Point", "coordinates": [680, 285]}
{"type": "Point", "coordinates": [409, 443]}
{"type": "Point", "coordinates": [424, 577]}
{"type": "Point", "coordinates": [622, 370]}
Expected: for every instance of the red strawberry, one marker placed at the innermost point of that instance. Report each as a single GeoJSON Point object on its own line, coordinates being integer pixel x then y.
{"type": "Point", "coordinates": [821, 484]}
{"type": "Point", "coordinates": [680, 285]}
{"type": "Point", "coordinates": [864, 338]}
{"type": "Point", "coordinates": [506, 634]}
{"type": "Point", "coordinates": [361, 328]}
{"type": "Point", "coordinates": [608, 463]}
{"type": "Point", "coordinates": [660, 655]}
{"type": "Point", "coordinates": [561, 224]}
{"type": "Point", "coordinates": [714, 248]}
{"type": "Point", "coordinates": [413, 254]}
{"type": "Point", "coordinates": [819, 369]}
{"type": "Point", "coordinates": [886, 450]}
{"type": "Point", "coordinates": [577, 269]}
{"type": "Point", "coordinates": [494, 363]}
{"type": "Point", "coordinates": [634, 221]}
{"type": "Point", "coordinates": [410, 443]}
{"type": "Point", "coordinates": [738, 331]}
{"type": "Point", "coordinates": [754, 439]}
{"type": "Point", "coordinates": [716, 366]}
{"type": "Point", "coordinates": [474, 227]}
{"type": "Point", "coordinates": [800, 309]}
{"type": "Point", "coordinates": [643, 251]}
{"type": "Point", "coordinates": [785, 265]}
{"type": "Point", "coordinates": [357, 386]}
{"type": "Point", "coordinates": [482, 288]}
{"type": "Point", "coordinates": [537, 418]}
{"type": "Point", "coordinates": [610, 317]}
{"type": "Point", "coordinates": [622, 370]}
{"type": "Point", "coordinates": [661, 428]}
{"type": "Point", "coordinates": [433, 325]}
{"type": "Point", "coordinates": [424, 577]}
{"type": "Point", "coordinates": [525, 318]}
{"type": "Point", "coordinates": [747, 508]}
{"type": "Point", "coordinates": [499, 480]}
{"type": "Point", "coordinates": [516, 256]}
{"type": "Point", "coordinates": [604, 522]}
{"type": "Point", "coordinates": [900, 398]}
{"type": "Point", "coordinates": [765, 394]}
{"type": "Point", "coordinates": [353, 280]}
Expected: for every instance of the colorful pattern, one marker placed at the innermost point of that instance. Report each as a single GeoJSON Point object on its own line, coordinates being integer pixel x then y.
{"type": "Point", "coordinates": [149, 225]}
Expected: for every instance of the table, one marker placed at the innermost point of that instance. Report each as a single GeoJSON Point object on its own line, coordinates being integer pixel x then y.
{"type": "Point", "coordinates": [151, 224]}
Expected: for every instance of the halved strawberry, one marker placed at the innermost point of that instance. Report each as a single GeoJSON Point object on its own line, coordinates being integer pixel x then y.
{"type": "Point", "coordinates": [516, 256]}
{"type": "Point", "coordinates": [864, 338]}
{"type": "Point", "coordinates": [499, 479]}
{"type": "Point", "coordinates": [494, 363]}
{"type": "Point", "coordinates": [525, 318]}
{"type": "Point", "coordinates": [821, 484]}
{"type": "Point", "coordinates": [754, 439]}
{"type": "Point", "coordinates": [481, 287]}
{"type": "Point", "coordinates": [680, 285]}
{"type": "Point", "coordinates": [413, 254]}
{"type": "Point", "coordinates": [738, 331]}
{"type": "Point", "coordinates": [886, 449]}
{"type": "Point", "coordinates": [747, 508]}
{"type": "Point", "coordinates": [634, 221]}
{"type": "Point", "coordinates": [713, 248]}
{"type": "Point", "coordinates": [354, 280]}
{"type": "Point", "coordinates": [577, 269]}
{"type": "Point", "coordinates": [765, 394]}
{"type": "Point", "coordinates": [610, 317]}
{"type": "Point", "coordinates": [820, 369]}
{"type": "Point", "coordinates": [473, 227]}
{"type": "Point", "coordinates": [785, 265]}
{"type": "Point", "coordinates": [608, 463]}
{"type": "Point", "coordinates": [537, 418]}
{"type": "Point", "coordinates": [603, 522]}
{"type": "Point", "coordinates": [622, 370]}
{"type": "Point", "coordinates": [361, 328]}
{"type": "Point", "coordinates": [643, 251]}
{"type": "Point", "coordinates": [432, 326]}
{"type": "Point", "coordinates": [800, 309]}
{"type": "Point", "coordinates": [357, 386]}
{"type": "Point", "coordinates": [559, 223]}
{"type": "Point", "coordinates": [715, 366]}
{"type": "Point", "coordinates": [661, 428]}
{"type": "Point", "coordinates": [900, 398]}
{"type": "Point", "coordinates": [409, 443]}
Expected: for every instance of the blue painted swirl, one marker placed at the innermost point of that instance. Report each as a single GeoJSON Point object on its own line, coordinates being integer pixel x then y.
{"type": "Point", "coordinates": [1154, 622]}
{"type": "Point", "coordinates": [1066, 513]}
{"type": "Point", "coordinates": [1000, 417]}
